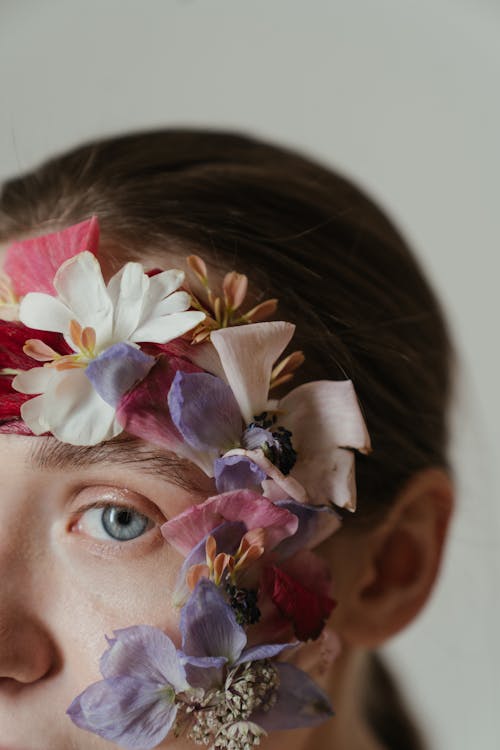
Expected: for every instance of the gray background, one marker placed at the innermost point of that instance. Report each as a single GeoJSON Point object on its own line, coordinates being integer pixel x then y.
{"type": "Point", "coordinates": [401, 95]}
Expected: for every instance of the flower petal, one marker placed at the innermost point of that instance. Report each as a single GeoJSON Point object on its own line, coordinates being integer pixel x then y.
{"type": "Point", "coordinates": [324, 416]}
{"type": "Point", "coordinates": [316, 523]}
{"type": "Point", "coordinates": [117, 370]}
{"type": "Point", "coordinates": [289, 486]}
{"type": "Point", "coordinates": [265, 651]}
{"type": "Point", "coordinates": [144, 412]}
{"type": "Point", "coordinates": [167, 327]}
{"type": "Point", "coordinates": [329, 477]}
{"type": "Point", "coordinates": [32, 264]}
{"type": "Point", "coordinates": [301, 703]}
{"type": "Point", "coordinates": [204, 411]}
{"type": "Point", "coordinates": [135, 715]}
{"type": "Point", "coordinates": [227, 537]}
{"type": "Point", "coordinates": [306, 609]}
{"type": "Point", "coordinates": [70, 409]}
{"type": "Point", "coordinates": [144, 653]}
{"type": "Point", "coordinates": [256, 512]}
{"type": "Point", "coordinates": [208, 625]}
{"type": "Point", "coordinates": [237, 473]}
{"type": "Point", "coordinates": [44, 312]}
{"type": "Point", "coordinates": [127, 290]}
{"type": "Point", "coordinates": [247, 354]}
{"type": "Point", "coordinates": [80, 286]}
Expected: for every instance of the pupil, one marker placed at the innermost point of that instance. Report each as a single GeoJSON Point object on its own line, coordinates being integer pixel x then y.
{"type": "Point", "coordinates": [122, 523]}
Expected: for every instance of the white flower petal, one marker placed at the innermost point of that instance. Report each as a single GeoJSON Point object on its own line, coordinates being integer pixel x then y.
{"type": "Point", "coordinates": [32, 412]}
{"type": "Point", "coordinates": [164, 329]}
{"type": "Point", "coordinates": [127, 290]}
{"type": "Point", "coordinates": [46, 313]}
{"type": "Point", "coordinates": [36, 380]}
{"type": "Point", "coordinates": [176, 302]}
{"type": "Point", "coordinates": [166, 282]}
{"type": "Point", "coordinates": [74, 412]}
{"type": "Point", "coordinates": [247, 354]}
{"type": "Point", "coordinates": [80, 286]}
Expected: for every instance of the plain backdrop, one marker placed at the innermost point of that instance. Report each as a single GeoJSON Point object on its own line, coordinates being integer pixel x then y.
{"type": "Point", "coordinates": [402, 95]}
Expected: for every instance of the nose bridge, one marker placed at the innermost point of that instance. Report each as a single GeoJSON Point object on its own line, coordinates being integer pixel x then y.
{"type": "Point", "coordinates": [26, 649]}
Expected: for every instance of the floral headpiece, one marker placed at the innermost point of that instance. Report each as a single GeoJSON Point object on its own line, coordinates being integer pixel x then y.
{"type": "Point", "coordinates": [169, 361]}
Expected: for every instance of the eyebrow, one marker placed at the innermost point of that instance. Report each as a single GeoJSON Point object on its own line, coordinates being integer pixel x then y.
{"type": "Point", "coordinates": [51, 455]}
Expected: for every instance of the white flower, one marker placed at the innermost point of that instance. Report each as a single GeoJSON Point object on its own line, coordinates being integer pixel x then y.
{"type": "Point", "coordinates": [93, 317]}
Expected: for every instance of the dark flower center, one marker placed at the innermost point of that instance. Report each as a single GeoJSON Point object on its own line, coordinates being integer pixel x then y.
{"type": "Point", "coordinates": [276, 444]}
{"type": "Point", "coordinates": [244, 604]}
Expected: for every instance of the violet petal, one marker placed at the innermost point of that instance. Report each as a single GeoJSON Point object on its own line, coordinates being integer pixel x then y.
{"type": "Point", "coordinates": [117, 370]}
{"type": "Point", "coordinates": [227, 536]}
{"type": "Point", "coordinates": [203, 671]}
{"type": "Point", "coordinates": [205, 411]}
{"type": "Point", "coordinates": [256, 653]}
{"type": "Point", "coordinates": [136, 715]}
{"type": "Point", "coordinates": [145, 653]}
{"type": "Point", "coordinates": [316, 523]}
{"type": "Point", "coordinates": [301, 703]}
{"type": "Point", "coordinates": [237, 473]}
{"type": "Point", "coordinates": [208, 624]}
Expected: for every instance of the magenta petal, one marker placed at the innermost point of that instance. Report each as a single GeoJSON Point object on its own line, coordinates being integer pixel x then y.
{"type": "Point", "coordinates": [144, 411]}
{"type": "Point", "coordinates": [301, 703]}
{"type": "Point", "coordinates": [32, 264]}
{"type": "Point", "coordinates": [256, 512]}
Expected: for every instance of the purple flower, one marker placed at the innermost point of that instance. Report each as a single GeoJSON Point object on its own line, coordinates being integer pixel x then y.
{"type": "Point", "coordinates": [134, 705]}
{"type": "Point", "coordinates": [214, 687]}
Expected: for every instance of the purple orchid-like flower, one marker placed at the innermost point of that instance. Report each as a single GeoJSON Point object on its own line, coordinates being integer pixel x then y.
{"type": "Point", "coordinates": [214, 688]}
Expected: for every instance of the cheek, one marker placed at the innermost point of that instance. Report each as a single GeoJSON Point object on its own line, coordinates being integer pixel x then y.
{"type": "Point", "coordinates": [89, 597]}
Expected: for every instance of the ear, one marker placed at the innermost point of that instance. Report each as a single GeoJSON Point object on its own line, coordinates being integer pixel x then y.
{"type": "Point", "coordinates": [396, 564]}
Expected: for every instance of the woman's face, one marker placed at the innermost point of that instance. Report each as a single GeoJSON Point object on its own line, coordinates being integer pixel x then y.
{"type": "Point", "coordinates": [81, 554]}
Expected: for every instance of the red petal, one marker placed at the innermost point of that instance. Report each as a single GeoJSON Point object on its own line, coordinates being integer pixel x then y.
{"type": "Point", "coordinates": [307, 610]}
{"type": "Point", "coordinates": [31, 264]}
{"type": "Point", "coordinates": [13, 336]}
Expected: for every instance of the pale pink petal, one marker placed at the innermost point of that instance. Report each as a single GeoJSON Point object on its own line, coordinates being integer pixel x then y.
{"type": "Point", "coordinates": [187, 529]}
{"type": "Point", "coordinates": [81, 288]}
{"type": "Point", "coordinates": [127, 290]}
{"type": "Point", "coordinates": [32, 263]}
{"type": "Point", "coordinates": [329, 477]}
{"type": "Point", "coordinates": [324, 415]}
{"type": "Point", "coordinates": [247, 354]}
{"type": "Point", "coordinates": [161, 330]}
{"type": "Point", "coordinates": [205, 356]}
{"type": "Point", "coordinates": [45, 313]}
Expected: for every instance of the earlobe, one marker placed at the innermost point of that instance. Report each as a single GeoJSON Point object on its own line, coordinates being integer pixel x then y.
{"type": "Point", "coordinates": [401, 562]}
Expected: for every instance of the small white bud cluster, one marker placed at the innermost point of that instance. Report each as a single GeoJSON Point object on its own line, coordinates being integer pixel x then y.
{"type": "Point", "coordinates": [219, 717]}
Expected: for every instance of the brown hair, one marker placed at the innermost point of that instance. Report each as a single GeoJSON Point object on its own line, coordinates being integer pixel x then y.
{"type": "Point", "coordinates": [342, 271]}
{"type": "Point", "coordinates": [344, 274]}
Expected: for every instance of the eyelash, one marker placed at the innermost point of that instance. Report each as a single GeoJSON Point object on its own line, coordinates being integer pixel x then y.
{"type": "Point", "coordinates": [152, 516]}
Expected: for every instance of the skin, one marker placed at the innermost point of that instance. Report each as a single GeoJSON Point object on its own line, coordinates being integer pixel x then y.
{"type": "Point", "coordinates": [65, 585]}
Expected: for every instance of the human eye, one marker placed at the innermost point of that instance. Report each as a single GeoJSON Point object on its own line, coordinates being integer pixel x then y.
{"type": "Point", "coordinates": [113, 515]}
